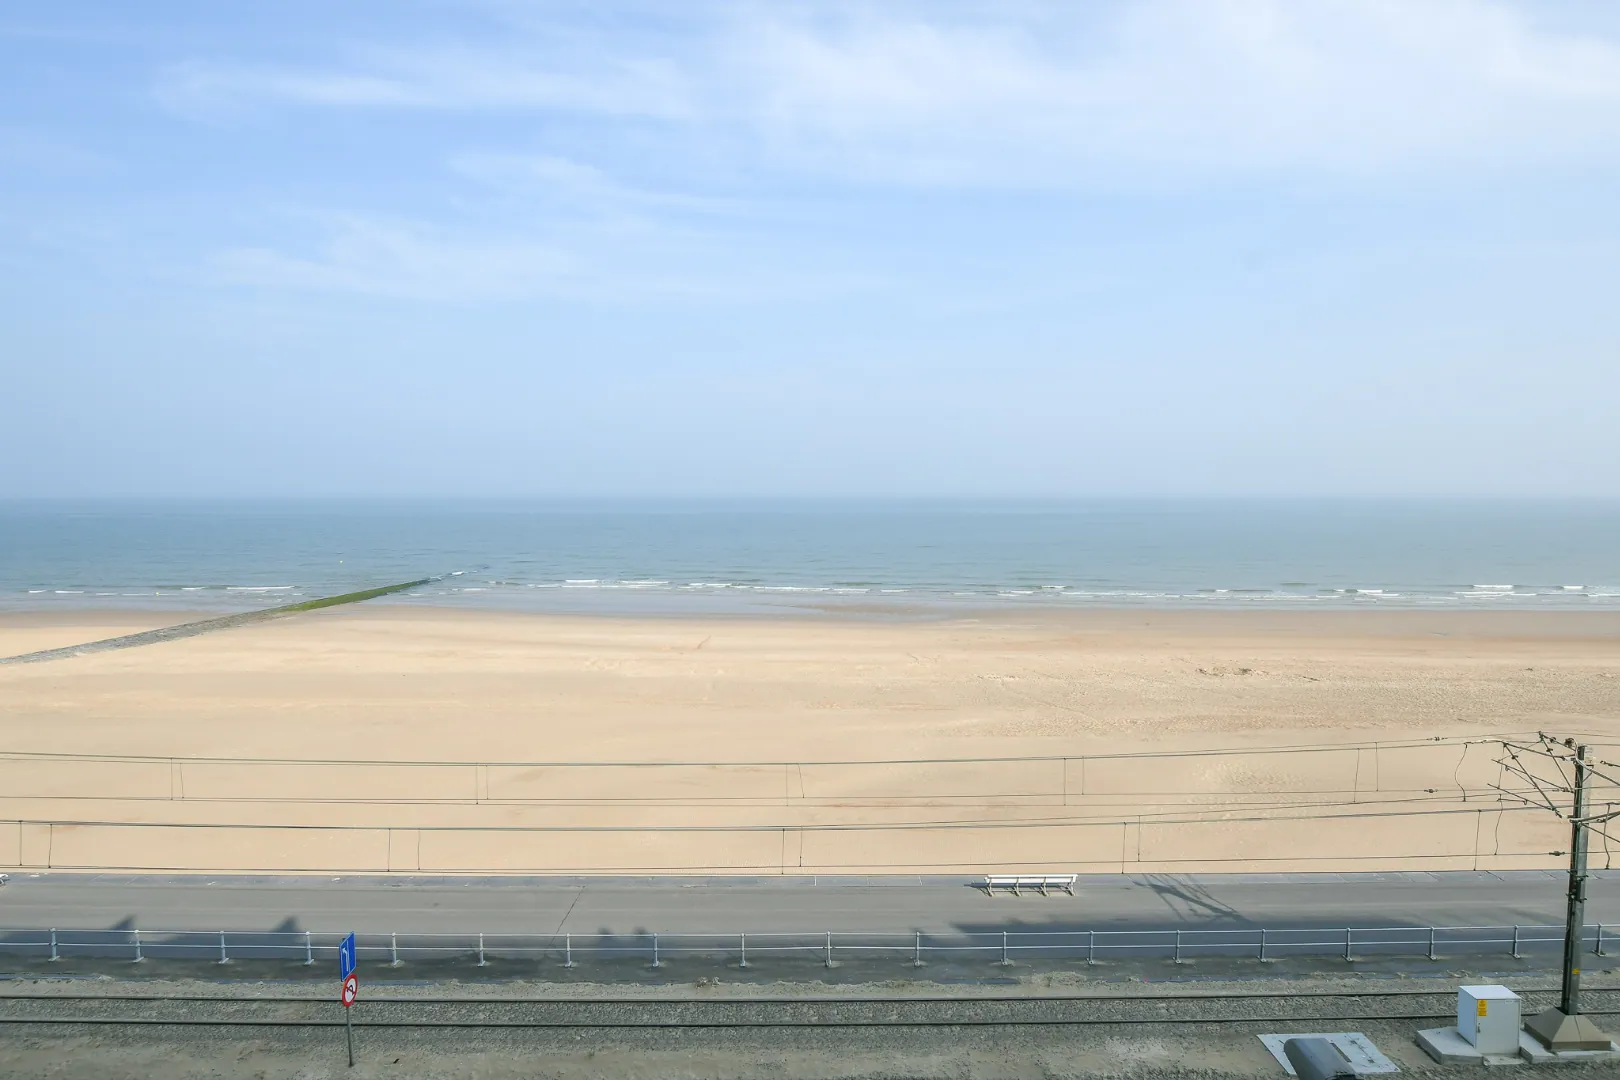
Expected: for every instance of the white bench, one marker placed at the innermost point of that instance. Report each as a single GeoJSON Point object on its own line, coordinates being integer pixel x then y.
{"type": "Point", "coordinates": [1016, 883]}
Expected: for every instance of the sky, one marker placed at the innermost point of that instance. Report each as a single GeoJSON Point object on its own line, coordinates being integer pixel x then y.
{"type": "Point", "coordinates": [484, 248]}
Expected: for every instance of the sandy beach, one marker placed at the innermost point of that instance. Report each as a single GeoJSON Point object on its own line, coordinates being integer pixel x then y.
{"type": "Point", "coordinates": [813, 744]}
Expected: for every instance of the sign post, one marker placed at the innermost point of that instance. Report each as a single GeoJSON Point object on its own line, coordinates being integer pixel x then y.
{"type": "Point", "coordinates": [349, 991]}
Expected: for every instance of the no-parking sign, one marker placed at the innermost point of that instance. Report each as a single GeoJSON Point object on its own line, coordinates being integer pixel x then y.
{"type": "Point", "coordinates": [347, 962]}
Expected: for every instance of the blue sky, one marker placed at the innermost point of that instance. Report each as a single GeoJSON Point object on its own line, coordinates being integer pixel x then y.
{"type": "Point", "coordinates": [484, 248]}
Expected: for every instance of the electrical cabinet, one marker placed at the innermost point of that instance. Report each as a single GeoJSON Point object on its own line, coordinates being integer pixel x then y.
{"type": "Point", "coordinates": [1488, 1017]}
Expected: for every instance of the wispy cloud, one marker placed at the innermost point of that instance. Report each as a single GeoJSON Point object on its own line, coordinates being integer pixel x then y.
{"type": "Point", "coordinates": [586, 188]}
{"type": "Point", "coordinates": [660, 156]}
{"type": "Point", "coordinates": [450, 79]}
{"type": "Point", "coordinates": [1182, 87]}
{"type": "Point", "coordinates": [403, 259]}
{"type": "Point", "coordinates": [1024, 94]}
{"type": "Point", "coordinates": [408, 259]}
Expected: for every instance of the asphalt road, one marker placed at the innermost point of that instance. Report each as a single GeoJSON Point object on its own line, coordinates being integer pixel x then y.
{"type": "Point", "coordinates": [941, 906]}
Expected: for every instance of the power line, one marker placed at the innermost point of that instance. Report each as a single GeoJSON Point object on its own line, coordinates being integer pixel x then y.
{"type": "Point", "coordinates": [1299, 748]}
{"type": "Point", "coordinates": [756, 827]}
{"type": "Point", "coordinates": [774, 869]}
{"type": "Point", "coordinates": [814, 802]}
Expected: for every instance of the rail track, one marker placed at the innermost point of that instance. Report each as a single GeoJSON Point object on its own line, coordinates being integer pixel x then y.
{"type": "Point", "coordinates": [761, 1012]}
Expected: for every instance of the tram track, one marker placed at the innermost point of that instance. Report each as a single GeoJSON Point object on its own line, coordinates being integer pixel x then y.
{"type": "Point", "coordinates": [21, 1010]}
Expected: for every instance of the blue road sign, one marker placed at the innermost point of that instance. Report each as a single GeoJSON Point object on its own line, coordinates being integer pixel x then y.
{"type": "Point", "coordinates": [346, 957]}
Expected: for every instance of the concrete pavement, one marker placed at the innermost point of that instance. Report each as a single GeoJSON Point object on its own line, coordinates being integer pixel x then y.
{"type": "Point", "coordinates": [939, 906]}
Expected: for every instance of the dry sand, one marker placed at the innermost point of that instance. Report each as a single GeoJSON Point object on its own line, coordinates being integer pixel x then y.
{"type": "Point", "coordinates": [797, 703]}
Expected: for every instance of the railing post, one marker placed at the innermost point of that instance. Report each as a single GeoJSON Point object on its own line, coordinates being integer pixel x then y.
{"type": "Point", "coordinates": [137, 944]}
{"type": "Point", "coordinates": [1516, 955]}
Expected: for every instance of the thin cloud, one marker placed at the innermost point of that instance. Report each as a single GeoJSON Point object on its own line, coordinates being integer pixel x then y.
{"type": "Point", "coordinates": [418, 261]}
{"type": "Point", "coordinates": [201, 87]}
{"type": "Point", "coordinates": [407, 260]}
{"type": "Point", "coordinates": [1047, 95]}
{"type": "Point", "coordinates": [584, 187]}
{"type": "Point", "coordinates": [1179, 87]}
{"type": "Point", "coordinates": [448, 79]}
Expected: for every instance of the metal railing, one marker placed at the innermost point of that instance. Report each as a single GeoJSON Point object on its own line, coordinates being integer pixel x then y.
{"type": "Point", "coordinates": [824, 947]}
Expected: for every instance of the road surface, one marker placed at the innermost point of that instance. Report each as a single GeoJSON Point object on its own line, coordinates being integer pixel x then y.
{"type": "Point", "coordinates": [940, 906]}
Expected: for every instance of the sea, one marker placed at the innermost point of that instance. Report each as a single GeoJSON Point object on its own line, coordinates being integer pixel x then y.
{"type": "Point", "coordinates": [805, 556]}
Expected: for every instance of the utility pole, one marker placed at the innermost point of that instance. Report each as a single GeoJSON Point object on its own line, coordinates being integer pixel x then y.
{"type": "Point", "coordinates": [1569, 1001]}
{"type": "Point", "coordinates": [1564, 1028]}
